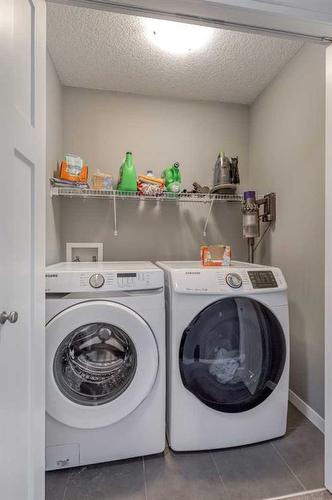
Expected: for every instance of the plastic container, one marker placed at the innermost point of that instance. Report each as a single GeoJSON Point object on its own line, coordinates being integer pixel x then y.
{"type": "Point", "coordinates": [172, 178]}
{"type": "Point", "coordinates": [101, 180]}
{"type": "Point", "coordinates": [128, 175]}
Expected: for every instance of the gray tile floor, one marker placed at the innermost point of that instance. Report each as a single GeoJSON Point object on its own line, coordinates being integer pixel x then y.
{"type": "Point", "coordinates": [291, 464]}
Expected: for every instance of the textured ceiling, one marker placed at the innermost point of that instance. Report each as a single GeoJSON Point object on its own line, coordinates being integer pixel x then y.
{"type": "Point", "coordinates": [104, 50]}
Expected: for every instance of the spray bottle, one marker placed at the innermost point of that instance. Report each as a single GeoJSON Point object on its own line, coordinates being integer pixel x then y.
{"type": "Point", "coordinates": [172, 178]}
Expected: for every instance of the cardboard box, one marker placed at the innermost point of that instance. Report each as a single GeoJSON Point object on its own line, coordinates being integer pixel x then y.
{"type": "Point", "coordinates": [216, 255]}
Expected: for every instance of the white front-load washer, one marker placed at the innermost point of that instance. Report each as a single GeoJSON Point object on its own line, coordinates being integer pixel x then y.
{"type": "Point", "coordinates": [105, 362]}
{"type": "Point", "coordinates": [228, 354]}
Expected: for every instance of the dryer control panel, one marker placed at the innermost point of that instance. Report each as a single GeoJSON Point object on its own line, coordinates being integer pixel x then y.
{"type": "Point", "coordinates": [262, 279]}
{"type": "Point", "coordinates": [230, 280]}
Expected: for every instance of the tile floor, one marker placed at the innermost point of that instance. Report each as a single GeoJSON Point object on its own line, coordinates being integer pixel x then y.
{"type": "Point", "coordinates": [291, 464]}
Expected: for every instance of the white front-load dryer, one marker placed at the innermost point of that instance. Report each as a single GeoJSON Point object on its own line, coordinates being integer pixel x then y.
{"type": "Point", "coordinates": [105, 362]}
{"type": "Point", "coordinates": [227, 354]}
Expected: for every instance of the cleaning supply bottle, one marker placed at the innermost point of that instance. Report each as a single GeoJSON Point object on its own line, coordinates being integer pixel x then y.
{"type": "Point", "coordinates": [172, 178]}
{"type": "Point", "coordinates": [128, 176]}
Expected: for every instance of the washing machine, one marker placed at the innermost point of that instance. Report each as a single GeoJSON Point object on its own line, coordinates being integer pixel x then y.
{"type": "Point", "coordinates": [228, 354]}
{"type": "Point", "coordinates": [105, 362]}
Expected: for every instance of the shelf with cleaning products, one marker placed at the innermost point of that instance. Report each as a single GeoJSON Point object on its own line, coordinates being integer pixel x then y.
{"type": "Point", "coordinates": [114, 196]}
{"type": "Point", "coordinates": [72, 182]}
{"type": "Point", "coordinates": [110, 194]}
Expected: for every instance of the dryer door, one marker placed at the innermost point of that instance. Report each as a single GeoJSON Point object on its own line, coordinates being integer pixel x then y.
{"type": "Point", "coordinates": [101, 363]}
{"type": "Point", "coordinates": [232, 354]}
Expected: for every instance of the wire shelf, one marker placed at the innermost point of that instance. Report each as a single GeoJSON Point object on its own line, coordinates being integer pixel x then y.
{"type": "Point", "coordinates": [135, 195]}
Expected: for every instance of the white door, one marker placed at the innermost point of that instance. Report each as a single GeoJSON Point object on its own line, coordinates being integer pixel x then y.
{"type": "Point", "coordinates": [22, 151]}
{"type": "Point", "coordinates": [328, 275]}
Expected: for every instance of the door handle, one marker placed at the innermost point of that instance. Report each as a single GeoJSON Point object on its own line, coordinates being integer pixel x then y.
{"type": "Point", "coordinates": [12, 317]}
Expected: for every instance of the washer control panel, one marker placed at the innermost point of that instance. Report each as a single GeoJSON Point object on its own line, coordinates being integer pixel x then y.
{"type": "Point", "coordinates": [234, 280]}
{"type": "Point", "coordinates": [130, 280]}
{"type": "Point", "coordinates": [85, 281]}
{"type": "Point", "coordinates": [262, 279]}
{"type": "Point", "coordinates": [118, 280]}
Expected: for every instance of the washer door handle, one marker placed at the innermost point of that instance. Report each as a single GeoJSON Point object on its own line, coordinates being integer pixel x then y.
{"type": "Point", "coordinates": [12, 317]}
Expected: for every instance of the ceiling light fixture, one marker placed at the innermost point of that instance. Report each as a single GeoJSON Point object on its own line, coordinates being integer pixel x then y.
{"type": "Point", "coordinates": [175, 37]}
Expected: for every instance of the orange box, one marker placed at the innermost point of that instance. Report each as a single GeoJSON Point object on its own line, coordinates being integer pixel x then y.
{"type": "Point", "coordinates": [216, 255]}
{"type": "Point", "coordinates": [67, 176]}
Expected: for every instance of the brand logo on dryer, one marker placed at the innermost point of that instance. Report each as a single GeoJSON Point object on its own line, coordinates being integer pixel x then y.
{"type": "Point", "coordinates": [51, 275]}
{"type": "Point", "coordinates": [192, 272]}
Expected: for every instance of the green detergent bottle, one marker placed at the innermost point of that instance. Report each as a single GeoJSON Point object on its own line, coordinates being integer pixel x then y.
{"type": "Point", "coordinates": [172, 178]}
{"type": "Point", "coordinates": [128, 176]}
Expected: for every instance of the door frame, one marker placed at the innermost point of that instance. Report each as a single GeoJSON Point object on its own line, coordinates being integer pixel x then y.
{"type": "Point", "coordinates": [328, 273]}
{"type": "Point", "coordinates": [310, 20]}
{"type": "Point", "coordinates": [278, 17]}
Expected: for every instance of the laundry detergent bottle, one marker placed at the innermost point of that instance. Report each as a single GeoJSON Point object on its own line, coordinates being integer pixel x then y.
{"type": "Point", "coordinates": [128, 175]}
{"type": "Point", "coordinates": [172, 178]}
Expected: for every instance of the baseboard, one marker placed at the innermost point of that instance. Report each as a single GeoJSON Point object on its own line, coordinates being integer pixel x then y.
{"type": "Point", "coordinates": [302, 494]}
{"type": "Point", "coordinates": [307, 411]}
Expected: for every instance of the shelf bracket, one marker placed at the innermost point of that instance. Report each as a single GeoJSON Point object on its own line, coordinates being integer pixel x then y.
{"type": "Point", "coordinates": [116, 233]}
{"type": "Point", "coordinates": [207, 218]}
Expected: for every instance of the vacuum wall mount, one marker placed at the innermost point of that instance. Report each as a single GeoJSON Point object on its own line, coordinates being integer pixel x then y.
{"type": "Point", "coordinates": [253, 213]}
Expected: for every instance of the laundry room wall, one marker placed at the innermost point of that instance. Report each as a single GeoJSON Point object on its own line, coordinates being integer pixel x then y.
{"type": "Point", "coordinates": [101, 126]}
{"type": "Point", "coordinates": [287, 129]}
{"type": "Point", "coordinates": [54, 152]}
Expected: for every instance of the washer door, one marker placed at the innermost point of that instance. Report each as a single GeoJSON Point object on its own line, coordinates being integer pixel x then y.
{"type": "Point", "coordinates": [232, 354]}
{"type": "Point", "coordinates": [101, 363]}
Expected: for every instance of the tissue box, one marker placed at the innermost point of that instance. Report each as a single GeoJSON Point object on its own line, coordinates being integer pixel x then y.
{"type": "Point", "coordinates": [216, 255]}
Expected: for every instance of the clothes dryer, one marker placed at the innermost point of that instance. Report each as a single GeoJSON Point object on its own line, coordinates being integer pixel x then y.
{"type": "Point", "coordinates": [227, 356]}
